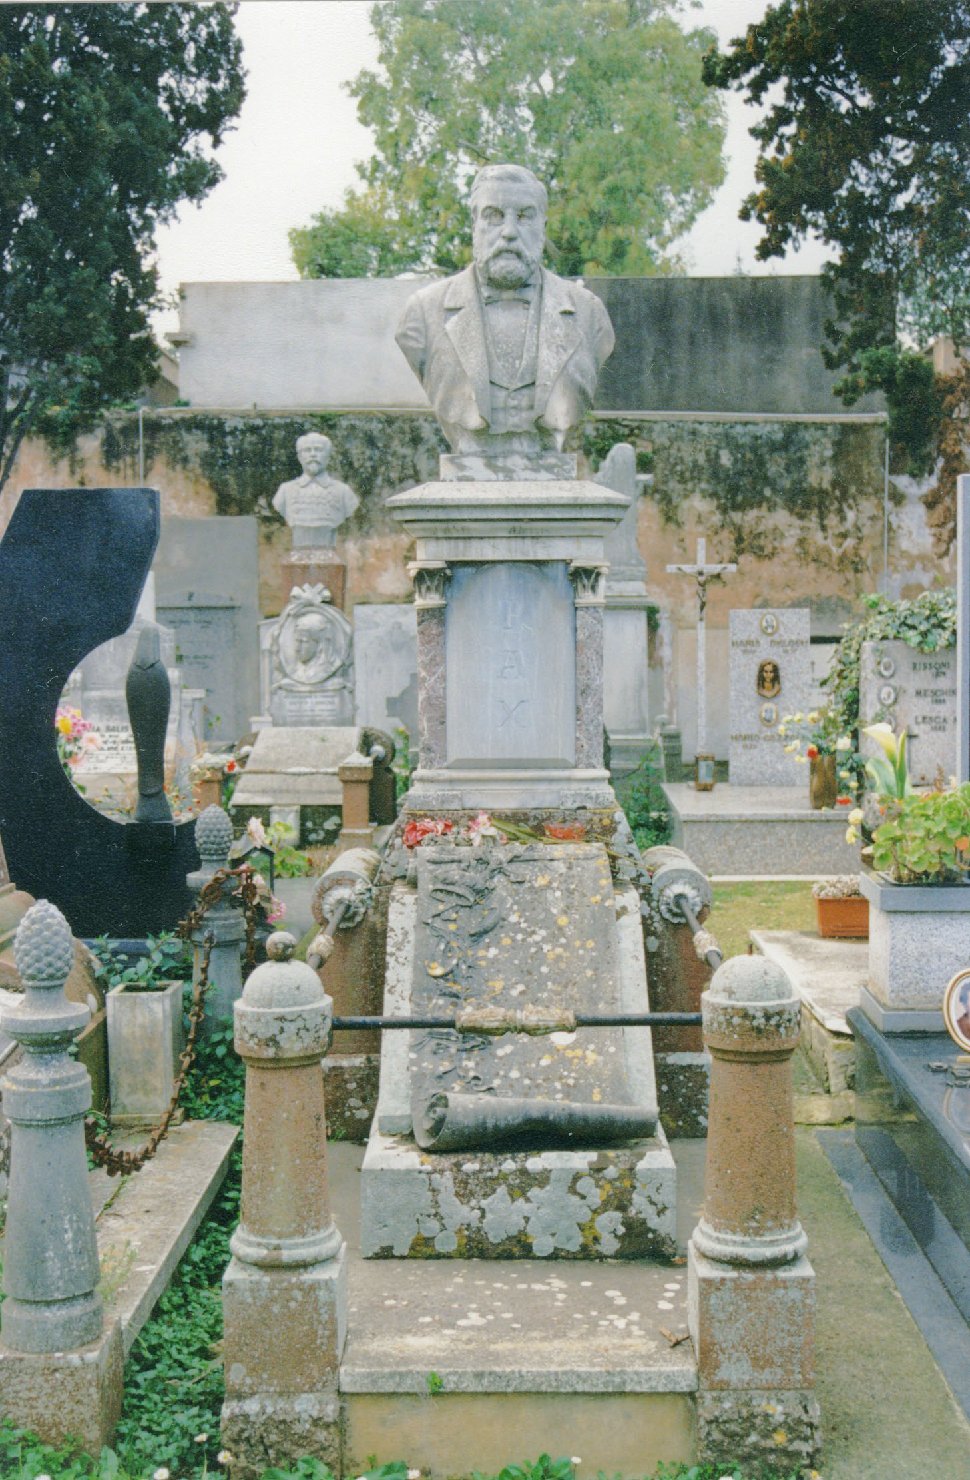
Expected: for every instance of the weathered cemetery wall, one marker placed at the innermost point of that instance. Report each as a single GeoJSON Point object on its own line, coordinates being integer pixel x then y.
{"type": "Point", "coordinates": [682, 344]}
{"type": "Point", "coordinates": [797, 501]}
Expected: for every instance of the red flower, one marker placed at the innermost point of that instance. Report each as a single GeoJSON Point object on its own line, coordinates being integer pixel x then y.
{"type": "Point", "coordinates": [565, 832]}
{"type": "Point", "coordinates": [843, 801]}
{"type": "Point", "coordinates": [424, 827]}
{"type": "Point", "coordinates": [230, 766]}
{"type": "Point", "coordinates": [812, 752]}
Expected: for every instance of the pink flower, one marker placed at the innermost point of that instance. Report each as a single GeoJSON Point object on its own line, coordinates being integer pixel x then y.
{"type": "Point", "coordinates": [277, 911]}
{"type": "Point", "coordinates": [257, 832]}
{"type": "Point", "coordinates": [482, 827]}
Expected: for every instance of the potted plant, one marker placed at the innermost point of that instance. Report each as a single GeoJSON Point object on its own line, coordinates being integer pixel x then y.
{"type": "Point", "coordinates": [841, 909]}
{"type": "Point", "coordinates": [143, 998]}
{"type": "Point", "coordinates": [919, 921]}
{"type": "Point", "coordinates": [819, 739]}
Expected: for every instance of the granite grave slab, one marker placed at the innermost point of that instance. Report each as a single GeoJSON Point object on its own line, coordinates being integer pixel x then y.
{"type": "Point", "coordinates": [531, 925]}
{"type": "Point", "coordinates": [770, 677]}
{"type": "Point", "coordinates": [915, 692]}
{"type": "Point", "coordinates": [291, 776]}
{"type": "Point", "coordinates": [207, 591]}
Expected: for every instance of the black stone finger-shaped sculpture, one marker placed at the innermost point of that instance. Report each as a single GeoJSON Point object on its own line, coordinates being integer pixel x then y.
{"type": "Point", "coordinates": [73, 562]}
{"type": "Point", "coordinates": [148, 693]}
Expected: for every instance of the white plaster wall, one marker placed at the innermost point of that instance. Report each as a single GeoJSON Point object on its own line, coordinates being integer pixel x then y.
{"type": "Point", "coordinates": [277, 346]}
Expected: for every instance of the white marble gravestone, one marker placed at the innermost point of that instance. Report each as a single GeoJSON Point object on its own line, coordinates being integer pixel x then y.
{"type": "Point", "coordinates": [207, 575]}
{"type": "Point", "coordinates": [770, 677]}
{"type": "Point", "coordinates": [386, 667]}
{"type": "Point", "coordinates": [306, 662]}
{"type": "Point", "coordinates": [511, 632]}
{"type": "Point", "coordinates": [915, 692]}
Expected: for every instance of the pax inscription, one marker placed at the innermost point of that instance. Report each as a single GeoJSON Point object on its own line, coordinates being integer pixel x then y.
{"type": "Point", "coordinates": [509, 650]}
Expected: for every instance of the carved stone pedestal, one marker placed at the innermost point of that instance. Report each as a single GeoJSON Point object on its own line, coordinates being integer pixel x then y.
{"type": "Point", "coordinates": [508, 588]}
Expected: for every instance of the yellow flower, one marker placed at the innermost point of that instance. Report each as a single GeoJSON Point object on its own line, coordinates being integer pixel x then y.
{"type": "Point", "coordinates": [856, 816]}
{"type": "Point", "coordinates": [851, 836]}
{"type": "Point", "coordinates": [812, 716]}
{"type": "Point", "coordinates": [782, 730]}
{"type": "Point", "coordinates": [64, 723]}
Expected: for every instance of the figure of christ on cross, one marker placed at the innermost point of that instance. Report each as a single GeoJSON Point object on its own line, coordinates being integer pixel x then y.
{"type": "Point", "coordinates": [702, 573]}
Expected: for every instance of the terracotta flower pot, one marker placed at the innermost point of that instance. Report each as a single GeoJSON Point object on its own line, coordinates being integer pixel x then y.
{"type": "Point", "coordinates": [843, 919]}
{"type": "Point", "coordinates": [822, 781]}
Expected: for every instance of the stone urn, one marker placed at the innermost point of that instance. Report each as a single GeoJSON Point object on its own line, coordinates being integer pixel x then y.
{"type": "Point", "coordinates": [145, 1042]}
{"type": "Point", "coordinates": [823, 786]}
{"type": "Point", "coordinates": [919, 937]}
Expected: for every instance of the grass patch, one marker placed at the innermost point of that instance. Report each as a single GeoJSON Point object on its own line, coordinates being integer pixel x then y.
{"type": "Point", "coordinates": [759, 904]}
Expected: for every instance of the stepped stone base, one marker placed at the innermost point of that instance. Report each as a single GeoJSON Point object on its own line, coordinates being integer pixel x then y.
{"type": "Point", "coordinates": [617, 1203]}
{"type": "Point", "coordinates": [526, 1356]}
{"type": "Point", "coordinates": [759, 830]}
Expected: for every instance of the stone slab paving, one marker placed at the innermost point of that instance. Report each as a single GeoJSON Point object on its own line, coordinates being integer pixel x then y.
{"type": "Point", "coordinates": [146, 1222]}
{"type": "Point", "coordinates": [828, 975]}
{"type": "Point", "coordinates": [476, 1326]}
{"type": "Point", "coordinates": [765, 831]}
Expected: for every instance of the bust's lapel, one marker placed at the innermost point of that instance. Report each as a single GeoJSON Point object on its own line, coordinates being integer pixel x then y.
{"type": "Point", "coordinates": [559, 334]}
{"type": "Point", "coordinates": [466, 330]}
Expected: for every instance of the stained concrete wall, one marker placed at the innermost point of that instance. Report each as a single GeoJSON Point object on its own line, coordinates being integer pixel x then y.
{"type": "Point", "coordinates": [797, 502]}
{"type": "Point", "coordinates": [682, 344]}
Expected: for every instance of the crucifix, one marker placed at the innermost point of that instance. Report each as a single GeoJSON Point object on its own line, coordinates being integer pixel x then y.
{"type": "Point", "coordinates": [702, 572]}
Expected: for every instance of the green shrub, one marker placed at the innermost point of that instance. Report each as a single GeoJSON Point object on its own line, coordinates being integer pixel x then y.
{"type": "Point", "coordinates": [645, 802]}
{"type": "Point", "coordinates": [927, 623]}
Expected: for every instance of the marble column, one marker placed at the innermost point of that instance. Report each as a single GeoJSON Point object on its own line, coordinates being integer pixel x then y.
{"type": "Point", "coordinates": [430, 600]}
{"type": "Point", "coordinates": [588, 586]}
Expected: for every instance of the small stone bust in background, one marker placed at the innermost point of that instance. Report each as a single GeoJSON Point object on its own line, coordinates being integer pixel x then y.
{"type": "Point", "coordinates": [315, 504]}
{"type": "Point", "coordinates": [507, 352]}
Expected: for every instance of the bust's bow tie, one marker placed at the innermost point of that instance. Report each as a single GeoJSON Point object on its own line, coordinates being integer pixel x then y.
{"type": "Point", "coordinates": [508, 295]}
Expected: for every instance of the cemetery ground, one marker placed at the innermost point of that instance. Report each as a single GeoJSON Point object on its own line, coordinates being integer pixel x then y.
{"type": "Point", "coordinates": [888, 1413]}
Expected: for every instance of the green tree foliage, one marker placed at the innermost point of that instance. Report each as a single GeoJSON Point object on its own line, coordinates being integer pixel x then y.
{"type": "Point", "coordinates": [108, 114]}
{"type": "Point", "coordinates": [865, 142]}
{"type": "Point", "coordinates": [601, 98]}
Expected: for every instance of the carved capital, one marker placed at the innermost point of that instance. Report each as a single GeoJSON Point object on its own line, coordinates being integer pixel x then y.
{"type": "Point", "coordinates": [588, 580]}
{"type": "Point", "coordinates": [430, 579]}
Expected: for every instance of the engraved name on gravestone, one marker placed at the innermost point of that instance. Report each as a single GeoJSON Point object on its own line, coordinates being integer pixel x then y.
{"type": "Point", "coordinates": [915, 692]}
{"type": "Point", "coordinates": [205, 643]}
{"type": "Point", "coordinates": [770, 676]}
{"type": "Point", "coordinates": [207, 581]}
{"type": "Point", "coordinates": [510, 634]}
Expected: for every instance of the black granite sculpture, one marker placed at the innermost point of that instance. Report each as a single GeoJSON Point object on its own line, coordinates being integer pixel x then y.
{"type": "Point", "coordinates": [148, 694]}
{"type": "Point", "coordinates": [72, 566]}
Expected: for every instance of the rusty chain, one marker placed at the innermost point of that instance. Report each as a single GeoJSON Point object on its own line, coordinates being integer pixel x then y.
{"type": "Point", "coordinates": [117, 1162]}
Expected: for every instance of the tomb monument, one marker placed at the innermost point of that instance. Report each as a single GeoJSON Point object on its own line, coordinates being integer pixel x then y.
{"type": "Point", "coordinates": [490, 1142]}
{"type": "Point", "coordinates": [314, 506]}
